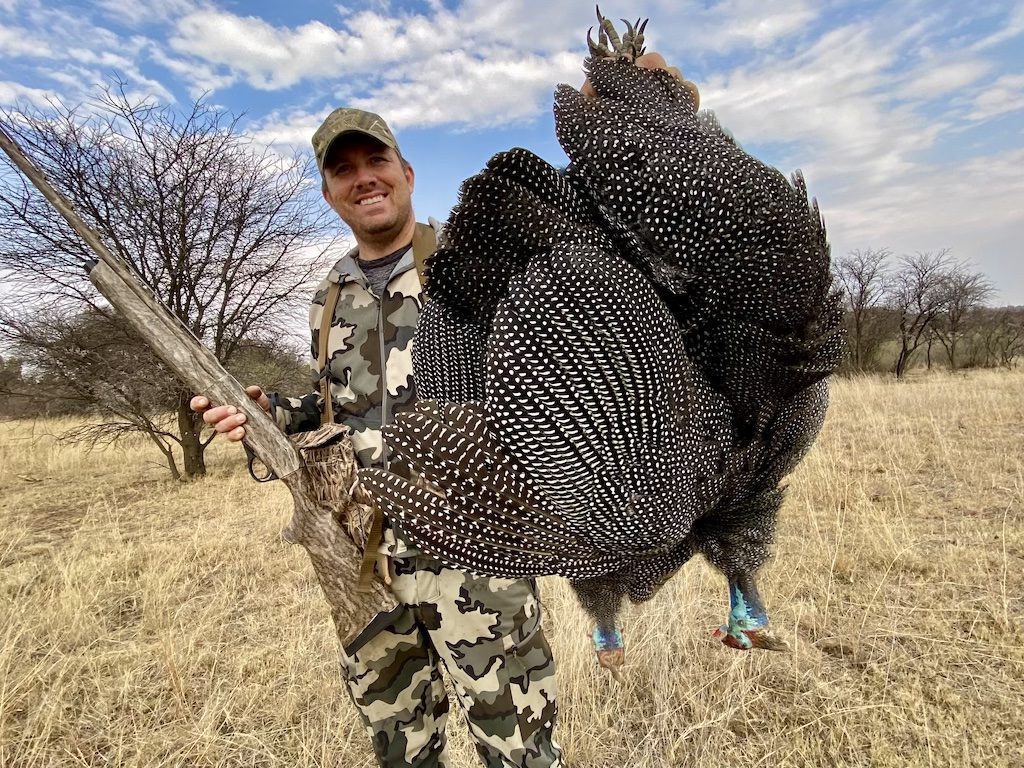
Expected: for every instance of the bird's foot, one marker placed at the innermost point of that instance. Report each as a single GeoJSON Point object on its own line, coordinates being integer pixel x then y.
{"type": "Point", "coordinates": [748, 621]}
{"type": "Point", "coordinates": [610, 46]}
{"type": "Point", "coordinates": [746, 639]}
{"type": "Point", "coordinates": [611, 651]}
{"type": "Point", "coordinates": [613, 661]}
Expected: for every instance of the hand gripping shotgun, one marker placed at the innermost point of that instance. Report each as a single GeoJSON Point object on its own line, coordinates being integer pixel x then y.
{"type": "Point", "coordinates": [318, 467]}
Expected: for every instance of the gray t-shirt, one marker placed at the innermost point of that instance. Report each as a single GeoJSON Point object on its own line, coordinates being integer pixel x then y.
{"type": "Point", "coordinates": [378, 271]}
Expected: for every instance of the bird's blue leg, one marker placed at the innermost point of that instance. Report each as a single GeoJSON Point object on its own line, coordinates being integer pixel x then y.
{"type": "Point", "coordinates": [748, 621]}
{"type": "Point", "coordinates": [601, 597]}
{"type": "Point", "coordinates": [610, 648]}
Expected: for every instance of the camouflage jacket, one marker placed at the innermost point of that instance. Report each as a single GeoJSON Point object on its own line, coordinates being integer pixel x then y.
{"type": "Point", "coordinates": [369, 362]}
{"type": "Point", "coordinates": [369, 358]}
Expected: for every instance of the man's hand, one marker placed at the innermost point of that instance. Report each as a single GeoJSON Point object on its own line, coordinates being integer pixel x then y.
{"type": "Point", "coordinates": [227, 419]}
{"type": "Point", "coordinates": [652, 60]}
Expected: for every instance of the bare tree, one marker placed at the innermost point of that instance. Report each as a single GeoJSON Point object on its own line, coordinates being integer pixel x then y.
{"type": "Point", "coordinates": [965, 292]}
{"type": "Point", "coordinates": [998, 338]}
{"type": "Point", "coordinates": [93, 362]}
{"type": "Point", "coordinates": [917, 296]}
{"type": "Point", "coordinates": [863, 275]}
{"type": "Point", "coordinates": [222, 232]}
{"type": "Point", "coordinates": [15, 389]}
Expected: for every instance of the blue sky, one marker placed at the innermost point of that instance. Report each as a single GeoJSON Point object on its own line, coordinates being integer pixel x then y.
{"type": "Point", "coordinates": [906, 117]}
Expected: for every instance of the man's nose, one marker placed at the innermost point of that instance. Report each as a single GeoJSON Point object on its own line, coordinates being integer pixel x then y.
{"type": "Point", "coordinates": [365, 175]}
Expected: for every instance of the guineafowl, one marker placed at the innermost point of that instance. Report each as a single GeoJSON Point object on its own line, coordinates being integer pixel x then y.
{"type": "Point", "coordinates": [621, 360]}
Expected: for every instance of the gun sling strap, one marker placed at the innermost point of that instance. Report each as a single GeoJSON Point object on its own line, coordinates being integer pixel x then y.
{"type": "Point", "coordinates": [424, 243]}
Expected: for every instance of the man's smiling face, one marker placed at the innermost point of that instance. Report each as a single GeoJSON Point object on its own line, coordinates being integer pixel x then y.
{"type": "Point", "coordinates": [369, 187]}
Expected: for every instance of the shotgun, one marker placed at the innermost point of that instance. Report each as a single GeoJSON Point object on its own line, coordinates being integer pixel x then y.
{"type": "Point", "coordinates": [318, 467]}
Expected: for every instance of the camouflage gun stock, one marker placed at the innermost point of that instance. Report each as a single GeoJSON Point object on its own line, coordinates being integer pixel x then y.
{"type": "Point", "coordinates": [318, 468]}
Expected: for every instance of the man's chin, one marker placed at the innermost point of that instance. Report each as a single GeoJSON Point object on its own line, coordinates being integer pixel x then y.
{"type": "Point", "coordinates": [390, 226]}
{"type": "Point", "coordinates": [373, 224]}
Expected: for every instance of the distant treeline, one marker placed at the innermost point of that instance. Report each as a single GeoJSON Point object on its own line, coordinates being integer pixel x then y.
{"type": "Point", "coordinates": [925, 309]}
{"type": "Point", "coordinates": [93, 367]}
{"type": "Point", "coordinates": [93, 360]}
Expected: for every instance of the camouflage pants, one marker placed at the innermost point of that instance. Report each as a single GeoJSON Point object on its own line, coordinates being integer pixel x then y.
{"type": "Point", "coordinates": [486, 634]}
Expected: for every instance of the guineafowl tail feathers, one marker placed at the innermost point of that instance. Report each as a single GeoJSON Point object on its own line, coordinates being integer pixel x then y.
{"type": "Point", "coordinates": [489, 519]}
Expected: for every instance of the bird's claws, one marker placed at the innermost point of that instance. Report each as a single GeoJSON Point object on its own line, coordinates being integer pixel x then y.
{"type": "Point", "coordinates": [610, 46]}
{"type": "Point", "coordinates": [609, 29]}
{"type": "Point", "coordinates": [597, 50]}
{"type": "Point", "coordinates": [613, 661]}
{"type": "Point", "coordinates": [633, 39]}
{"type": "Point", "coordinates": [747, 639]}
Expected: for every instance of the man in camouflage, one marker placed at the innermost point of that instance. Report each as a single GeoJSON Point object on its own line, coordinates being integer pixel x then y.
{"type": "Point", "coordinates": [485, 632]}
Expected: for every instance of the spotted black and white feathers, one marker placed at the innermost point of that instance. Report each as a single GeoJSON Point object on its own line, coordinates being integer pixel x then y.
{"type": "Point", "coordinates": [596, 423]}
{"type": "Point", "coordinates": [623, 359]}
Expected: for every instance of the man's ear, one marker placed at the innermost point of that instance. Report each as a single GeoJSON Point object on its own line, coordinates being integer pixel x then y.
{"type": "Point", "coordinates": [410, 176]}
{"type": "Point", "coordinates": [327, 199]}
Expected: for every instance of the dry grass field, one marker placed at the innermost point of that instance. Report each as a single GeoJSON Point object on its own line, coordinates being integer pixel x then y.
{"type": "Point", "coordinates": [144, 623]}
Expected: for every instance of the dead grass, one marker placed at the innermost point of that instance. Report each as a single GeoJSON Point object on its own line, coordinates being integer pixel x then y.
{"type": "Point", "coordinates": [144, 623]}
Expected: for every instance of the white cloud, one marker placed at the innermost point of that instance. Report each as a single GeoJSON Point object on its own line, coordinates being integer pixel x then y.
{"type": "Point", "coordinates": [369, 43]}
{"type": "Point", "coordinates": [292, 129]}
{"type": "Point", "coordinates": [76, 53]}
{"type": "Point", "coordinates": [452, 88]}
{"type": "Point", "coordinates": [975, 208]}
{"type": "Point", "coordinates": [458, 88]}
{"type": "Point", "coordinates": [942, 79]}
{"type": "Point", "coordinates": [267, 57]}
{"type": "Point", "coordinates": [466, 45]}
{"type": "Point", "coordinates": [830, 101]}
{"type": "Point", "coordinates": [17, 42]}
{"type": "Point", "coordinates": [16, 93]}
{"type": "Point", "coordinates": [144, 12]}
{"type": "Point", "coordinates": [81, 82]}
{"type": "Point", "coordinates": [752, 22]}
{"type": "Point", "coordinates": [485, 63]}
{"type": "Point", "coordinates": [1004, 95]}
{"type": "Point", "coordinates": [66, 28]}
{"type": "Point", "coordinates": [950, 202]}
{"type": "Point", "coordinates": [104, 64]}
{"type": "Point", "coordinates": [690, 28]}
{"type": "Point", "coordinates": [1011, 28]}
{"type": "Point", "coordinates": [199, 77]}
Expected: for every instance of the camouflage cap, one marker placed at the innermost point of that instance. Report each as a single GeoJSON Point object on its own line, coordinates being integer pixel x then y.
{"type": "Point", "coordinates": [345, 120]}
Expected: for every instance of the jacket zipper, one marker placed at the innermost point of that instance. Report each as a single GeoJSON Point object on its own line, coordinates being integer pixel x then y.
{"type": "Point", "coordinates": [383, 376]}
